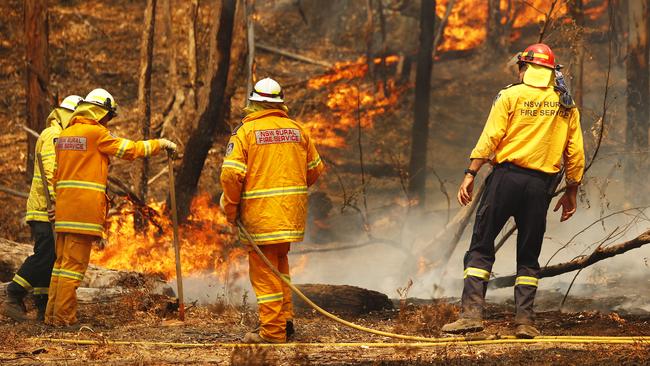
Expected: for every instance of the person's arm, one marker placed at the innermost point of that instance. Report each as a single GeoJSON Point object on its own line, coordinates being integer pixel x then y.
{"type": "Point", "coordinates": [493, 132]}
{"type": "Point", "coordinates": [574, 161]}
{"type": "Point", "coordinates": [315, 165]}
{"type": "Point", "coordinates": [45, 146]}
{"type": "Point", "coordinates": [233, 174]}
{"type": "Point", "coordinates": [130, 150]}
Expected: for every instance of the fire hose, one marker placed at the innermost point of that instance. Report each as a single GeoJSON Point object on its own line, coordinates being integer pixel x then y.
{"type": "Point", "coordinates": [489, 339]}
{"type": "Point", "coordinates": [415, 341]}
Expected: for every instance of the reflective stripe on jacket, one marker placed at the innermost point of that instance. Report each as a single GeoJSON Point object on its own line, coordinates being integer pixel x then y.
{"type": "Point", "coordinates": [36, 203]}
{"type": "Point", "coordinates": [528, 127]}
{"type": "Point", "coordinates": [82, 158]}
{"type": "Point", "coordinates": [270, 161]}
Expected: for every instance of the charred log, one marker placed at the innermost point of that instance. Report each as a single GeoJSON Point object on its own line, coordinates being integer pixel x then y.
{"type": "Point", "coordinates": [342, 299]}
{"type": "Point", "coordinates": [597, 255]}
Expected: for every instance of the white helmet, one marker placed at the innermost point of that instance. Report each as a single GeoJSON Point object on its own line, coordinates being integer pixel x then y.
{"type": "Point", "coordinates": [70, 102]}
{"type": "Point", "coordinates": [103, 99]}
{"type": "Point", "coordinates": [267, 90]}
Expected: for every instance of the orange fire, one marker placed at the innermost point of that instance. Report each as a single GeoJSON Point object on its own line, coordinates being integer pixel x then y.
{"type": "Point", "coordinates": [350, 100]}
{"type": "Point", "coordinates": [467, 24]}
{"type": "Point", "coordinates": [207, 244]}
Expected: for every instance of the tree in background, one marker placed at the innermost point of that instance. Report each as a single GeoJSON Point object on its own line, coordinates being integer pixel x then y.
{"type": "Point", "coordinates": [212, 120]}
{"type": "Point", "coordinates": [420, 131]}
{"type": "Point", "coordinates": [638, 108]}
{"type": "Point", "coordinates": [144, 98]}
{"type": "Point", "coordinates": [37, 71]}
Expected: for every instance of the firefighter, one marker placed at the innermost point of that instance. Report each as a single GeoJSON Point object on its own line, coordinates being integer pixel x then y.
{"type": "Point", "coordinates": [270, 161]}
{"type": "Point", "coordinates": [34, 274]}
{"type": "Point", "coordinates": [532, 129]}
{"type": "Point", "coordinates": [82, 158]}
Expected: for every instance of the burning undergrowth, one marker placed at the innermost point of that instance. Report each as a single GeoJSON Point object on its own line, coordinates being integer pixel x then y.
{"type": "Point", "coordinates": [208, 243]}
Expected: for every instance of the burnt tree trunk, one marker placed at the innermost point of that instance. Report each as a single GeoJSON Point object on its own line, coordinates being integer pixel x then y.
{"type": "Point", "coordinates": [191, 52]}
{"type": "Point", "coordinates": [577, 10]}
{"type": "Point", "coordinates": [212, 120]}
{"type": "Point", "coordinates": [144, 98]}
{"type": "Point", "coordinates": [420, 131]}
{"type": "Point", "coordinates": [581, 262]}
{"type": "Point", "coordinates": [37, 72]}
{"type": "Point", "coordinates": [638, 112]}
{"type": "Point", "coordinates": [250, 37]}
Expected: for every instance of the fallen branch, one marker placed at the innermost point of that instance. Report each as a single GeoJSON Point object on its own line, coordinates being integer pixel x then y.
{"type": "Point", "coordinates": [30, 131]}
{"type": "Point", "coordinates": [599, 254]}
{"type": "Point", "coordinates": [14, 192]}
{"type": "Point", "coordinates": [294, 56]}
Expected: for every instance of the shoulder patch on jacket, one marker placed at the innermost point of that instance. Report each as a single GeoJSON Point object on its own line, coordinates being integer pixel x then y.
{"type": "Point", "coordinates": [234, 130]}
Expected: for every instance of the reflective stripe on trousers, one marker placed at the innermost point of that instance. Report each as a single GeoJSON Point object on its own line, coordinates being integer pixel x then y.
{"type": "Point", "coordinates": [72, 256]}
{"type": "Point", "coordinates": [273, 295]}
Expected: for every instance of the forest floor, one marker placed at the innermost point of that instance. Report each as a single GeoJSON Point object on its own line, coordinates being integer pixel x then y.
{"type": "Point", "coordinates": [137, 318]}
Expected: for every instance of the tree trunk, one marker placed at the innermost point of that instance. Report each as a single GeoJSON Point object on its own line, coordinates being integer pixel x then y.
{"type": "Point", "coordinates": [637, 99]}
{"type": "Point", "coordinates": [37, 72]}
{"type": "Point", "coordinates": [168, 21]}
{"type": "Point", "coordinates": [577, 10]}
{"type": "Point", "coordinates": [420, 131]}
{"type": "Point", "coordinates": [191, 52]}
{"type": "Point", "coordinates": [212, 120]}
{"type": "Point", "coordinates": [250, 37]}
{"type": "Point", "coordinates": [144, 98]}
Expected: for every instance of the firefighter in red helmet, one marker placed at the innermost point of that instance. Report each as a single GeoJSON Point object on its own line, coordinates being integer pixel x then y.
{"type": "Point", "coordinates": [533, 128]}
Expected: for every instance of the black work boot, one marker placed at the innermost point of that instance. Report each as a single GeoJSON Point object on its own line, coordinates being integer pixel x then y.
{"type": "Point", "coordinates": [41, 303]}
{"type": "Point", "coordinates": [290, 329]}
{"type": "Point", "coordinates": [14, 307]}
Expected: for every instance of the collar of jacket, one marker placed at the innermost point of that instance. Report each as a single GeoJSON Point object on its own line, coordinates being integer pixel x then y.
{"type": "Point", "coordinates": [88, 113]}
{"type": "Point", "coordinates": [265, 113]}
{"type": "Point", "coordinates": [83, 120]}
{"type": "Point", "coordinates": [59, 117]}
{"type": "Point", "coordinates": [538, 76]}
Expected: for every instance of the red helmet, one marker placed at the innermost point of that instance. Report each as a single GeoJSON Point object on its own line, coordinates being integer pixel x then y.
{"type": "Point", "coordinates": [539, 54]}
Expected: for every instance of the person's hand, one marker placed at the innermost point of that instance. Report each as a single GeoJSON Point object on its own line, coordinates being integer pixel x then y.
{"type": "Point", "coordinates": [465, 190]}
{"type": "Point", "coordinates": [168, 145]}
{"type": "Point", "coordinates": [568, 203]}
{"type": "Point", "coordinates": [50, 213]}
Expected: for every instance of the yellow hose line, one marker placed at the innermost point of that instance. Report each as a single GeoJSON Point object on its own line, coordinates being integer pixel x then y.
{"type": "Point", "coordinates": [509, 340]}
{"type": "Point", "coordinates": [333, 317]}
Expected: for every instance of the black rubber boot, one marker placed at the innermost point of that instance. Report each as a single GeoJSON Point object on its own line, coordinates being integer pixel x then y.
{"type": "Point", "coordinates": [41, 304]}
{"type": "Point", "coordinates": [290, 329]}
{"type": "Point", "coordinates": [14, 307]}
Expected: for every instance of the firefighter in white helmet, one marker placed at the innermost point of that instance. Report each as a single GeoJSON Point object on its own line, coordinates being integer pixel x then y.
{"type": "Point", "coordinates": [34, 274]}
{"type": "Point", "coordinates": [269, 163]}
{"type": "Point", "coordinates": [82, 157]}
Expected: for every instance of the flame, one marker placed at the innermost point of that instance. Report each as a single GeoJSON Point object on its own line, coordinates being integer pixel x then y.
{"type": "Point", "coordinates": [350, 100]}
{"type": "Point", "coordinates": [467, 24]}
{"type": "Point", "coordinates": [206, 242]}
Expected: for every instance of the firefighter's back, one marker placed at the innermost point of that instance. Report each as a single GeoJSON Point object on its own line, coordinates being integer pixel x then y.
{"type": "Point", "coordinates": [537, 129]}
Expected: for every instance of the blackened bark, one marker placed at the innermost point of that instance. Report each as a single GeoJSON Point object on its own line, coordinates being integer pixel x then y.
{"type": "Point", "coordinates": [212, 120]}
{"type": "Point", "coordinates": [144, 98]}
{"type": "Point", "coordinates": [420, 131]}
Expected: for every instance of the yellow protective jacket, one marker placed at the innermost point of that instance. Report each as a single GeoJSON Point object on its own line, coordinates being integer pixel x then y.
{"type": "Point", "coordinates": [270, 161]}
{"type": "Point", "coordinates": [82, 158]}
{"type": "Point", "coordinates": [36, 203]}
{"type": "Point", "coordinates": [528, 127]}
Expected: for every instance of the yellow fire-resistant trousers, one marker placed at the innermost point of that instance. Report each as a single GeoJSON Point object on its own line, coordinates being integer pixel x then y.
{"type": "Point", "coordinates": [72, 256]}
{"type": "Point", "coordinates": [273, 295]}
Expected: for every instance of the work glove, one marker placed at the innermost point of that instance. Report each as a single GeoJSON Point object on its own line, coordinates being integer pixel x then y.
{"type": "Point", "coordinates": [168, 145]}
{"type": "Point", "coordinates": [50, 214]}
